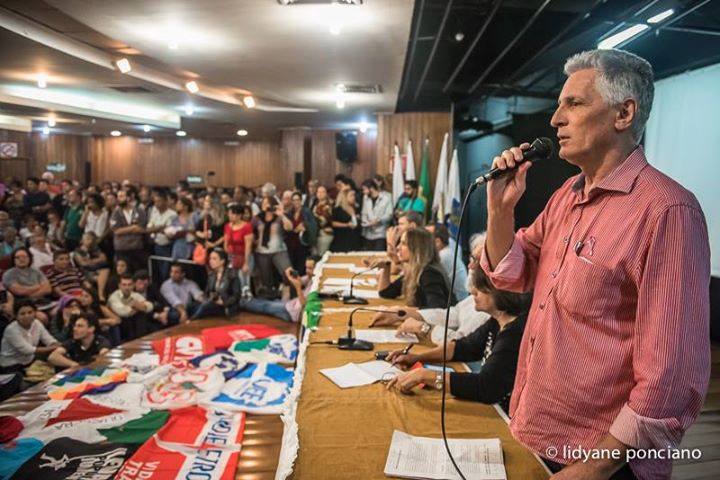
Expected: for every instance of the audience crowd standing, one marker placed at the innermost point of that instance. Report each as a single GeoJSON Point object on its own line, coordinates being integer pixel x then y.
{"type": "Point", "coordinates": [75, 264]}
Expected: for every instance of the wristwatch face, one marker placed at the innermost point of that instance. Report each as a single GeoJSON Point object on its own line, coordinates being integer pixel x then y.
{"type": "Point", "coordinates": [425, 328]}
{"type": "Point", "coordinates": [438, 381]}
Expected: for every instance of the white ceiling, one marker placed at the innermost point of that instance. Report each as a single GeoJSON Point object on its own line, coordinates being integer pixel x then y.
{"type": "Point", "coordinates": [284, 55]}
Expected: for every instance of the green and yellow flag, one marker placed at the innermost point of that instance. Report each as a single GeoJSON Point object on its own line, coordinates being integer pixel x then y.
{"type": "Point", "coordinates": [424, 191]}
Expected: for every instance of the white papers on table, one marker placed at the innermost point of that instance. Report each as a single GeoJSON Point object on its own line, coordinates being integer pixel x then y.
{"type": "Point", "coordinates": [374, 271]}
{"type": "Point", "coordinates": [384, 336]}
{"type": "Point", "coordinates": [345, 282]}
{"type": "Point", "coordinates": [339, 266]}
{"type": "Point", "coordinates": [422, 457]}
{"type": "Point", "coordinates": [358, 374]}
{"type": "Point", "coordinates": [358, 292]}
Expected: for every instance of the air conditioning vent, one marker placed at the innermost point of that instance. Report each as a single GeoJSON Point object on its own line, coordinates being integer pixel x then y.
{"type": "Point", "coordinates": [362, 88]}
{"type": "Point", "coordinates": [131, 89]}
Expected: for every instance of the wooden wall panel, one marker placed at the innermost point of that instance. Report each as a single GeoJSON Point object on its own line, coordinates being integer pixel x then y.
{"type": "Point", "coordinates": [167, 160]}
{"type": "Point", "coordinates": [324, 158]}
{"type": "Point", "coordinates": [38, 150]}
{"type": "Point", "coordinates": [416, 126]}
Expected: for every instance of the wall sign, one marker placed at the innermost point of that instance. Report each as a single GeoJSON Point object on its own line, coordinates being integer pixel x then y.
{"type": "Point", "coordinates": [8, 149]}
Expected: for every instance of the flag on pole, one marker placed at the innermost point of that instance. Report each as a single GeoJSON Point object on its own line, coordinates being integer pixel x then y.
{"type": "Point", "coordinates": [441, 182]}
{"type": "Point", "coordinates": [410, 168]}
{"type": "Point", "coordinates": [424, 182]}
{"type": "Point", "coordinates": [398, 184]}
{"type": "Point", "coordinates": [452, 196]}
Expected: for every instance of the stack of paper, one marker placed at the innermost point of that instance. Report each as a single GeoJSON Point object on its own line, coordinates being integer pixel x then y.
{"type": "Point", "coordinates": [422, 457]}
{"type": "Point", "coordinates": [358, 374]}
{"type": "Point", "coordinates": [384, 336]}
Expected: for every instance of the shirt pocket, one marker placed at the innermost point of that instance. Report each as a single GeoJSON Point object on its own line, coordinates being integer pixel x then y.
{"type": "Point", "coordinates": [588, 289]}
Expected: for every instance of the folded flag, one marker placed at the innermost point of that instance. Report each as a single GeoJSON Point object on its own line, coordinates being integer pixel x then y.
{"type": "Point", "coordinates": [181, 347]}
{"type": "Point", "coordinates": [220, 338]}
{"type": "Point", "coordinates": [184, 386]}
{"type": "Point", "coordinates": [136, 431]}
{"type": "Point", "coordinates": [14, 454]}
{"type": "Point", "coordinates": [225, 361]}
{"type": "Point", "coordinates": [278, 349]}
{"type": "Point", "coordinates": [85, 380]}
{"type": "Point", "coordinates": [259, 388]}
{"type": "Point", "coordinates": [66, 458]}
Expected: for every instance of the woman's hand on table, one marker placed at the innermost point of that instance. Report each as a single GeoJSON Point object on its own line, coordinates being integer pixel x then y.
{"type": "Point", "coordinates": [402, 360]}
{"type": "Point", "coordinates": [411, 325]}
{"type": "Point", "coordinates": [385, 319]}
{"type": "Point", "coordinates": [406, 381]}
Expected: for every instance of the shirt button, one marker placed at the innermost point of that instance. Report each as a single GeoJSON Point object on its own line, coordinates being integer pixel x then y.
{"type": "Point", "coordinates": [554, 274]}
{"type": "Point", "coordinates": [541, 306]}
{"type": "Point", "coordinates": [566, 239]}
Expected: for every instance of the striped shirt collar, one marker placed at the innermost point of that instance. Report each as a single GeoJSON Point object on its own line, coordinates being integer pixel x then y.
{"type": "Point", "coordinates": [621, 179]}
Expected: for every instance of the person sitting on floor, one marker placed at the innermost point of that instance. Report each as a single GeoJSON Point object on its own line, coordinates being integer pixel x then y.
{"type": "Point", "coordinates": [496, 344]}
{"type": "Point", "coordinates": [183, 295]}
{"type": "Point", "coordinates": [85, 344]}
{"type": "Point", "coordinates": [159, 318]}
{"type": "Point", "coordinates": [423, 282]}
{"type": "Point", "coordinates": [64, 278]}
{"type": "Point", "coordinates": [92, 262]}
{"type": "Point", "coordinates": [223, 289]}
{"type": "Point", "coordinates": [59, 325]}
{"type": "Point", "coordinates": [286, 310]}
{"type": "Point", "coordinates": [131, 307]}
{"type": "Point", "coordinates": [22, 338]}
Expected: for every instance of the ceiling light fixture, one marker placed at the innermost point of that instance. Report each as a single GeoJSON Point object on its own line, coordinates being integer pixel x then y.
{"type": "Point", "coordinates": [249, 101]}
{"type": "Point", "coordinates": [46, 130]}
{"type": "Point", "coordinates": [363, 127]}
{"type": "Point", "coordinates": [189, 110]}
{"type": "Point", "coordinates": [335, 29]}
{"type": "Point", "coordinates": [620, 37]}
{"type": "Point", "coordinates": [661, 16]}
{"type": "Point", "coordinates": [459, 37]}
{"type": "Point", "coordinates": [192, 86]}
{"type": "Point", "coordinates": [340, 103]}
{"type": "Point", "coordinates": [173, 46]}
{"type": "Point", "coordinates": [146, 128]}
{"type": "Point", "coordinates": [242, 132]}
{"type": "Point", "coordinates": [51, 121]}
{"type": "Point", "coordinates": [42, 80]}
{"type": "Point", "coordinates": [123, 65]}
{"type": "Point", "coordinates": [116, 133]}
{"type": "Point", "coordinates": [181, 133]}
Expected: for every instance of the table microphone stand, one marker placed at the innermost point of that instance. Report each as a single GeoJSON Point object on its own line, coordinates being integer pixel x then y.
{"type": "Point", "coordinates": [352, 299]}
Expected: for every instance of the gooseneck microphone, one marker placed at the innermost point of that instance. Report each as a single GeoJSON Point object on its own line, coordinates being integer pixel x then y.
{"type": "Point", "coordinates": [540, 149]}
{"type": "Point", "coordinates": [349, 342]}
{"type": "Point", "coordinates": [351, 299]}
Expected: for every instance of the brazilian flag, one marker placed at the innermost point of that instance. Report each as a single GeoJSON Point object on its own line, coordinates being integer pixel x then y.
{"type": "Point", "coordinates": [424, 191]}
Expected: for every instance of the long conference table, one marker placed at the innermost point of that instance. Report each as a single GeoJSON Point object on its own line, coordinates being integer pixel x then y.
{"type": "Point", "coordinates": [336, 433]}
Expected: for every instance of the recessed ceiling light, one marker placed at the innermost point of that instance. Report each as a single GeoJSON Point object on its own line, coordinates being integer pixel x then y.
{"type": "Point", "coordinates": [123, 65]}
{"type": "Point", "coordinates": [146, 128]}
{"type": "Point", "coordinates": [116, 133]}
{"type": "Point", "coordinates": [661, 16]}
{"type": "Point", "coordinates": [249, 101]}
{"type": "Point", "coordinates": [336, 29]}
{"type": "Point", "coordinates": [242, 132]}
{"type": "Point", "coordinates": [192, 86]}
{"type": "Point", "coordinates": [173, 46]}
{"type": "Point", "coordinates": [51, 121]}
{"type": "Point", "coordinates": [340, 103]}
{"type": "Point", "coordinates": [42, 80]}
{"type": "Point", "coordinates": [340, 87]}
{"type": "Point", "coordinates": [189, 110]}
{"type": "Point", "coordinates": [459, 37]}
{"type": "Point", "coordinates": [363, 127]}
{"type": "Point", "coordinates": [46, 130]}
{"type": "Point", "coordinates": [181, 133]}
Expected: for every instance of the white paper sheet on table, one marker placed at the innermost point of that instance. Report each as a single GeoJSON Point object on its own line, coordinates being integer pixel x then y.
{"type": "Point", "coordinates": [384, 336]}
{"type": "Point", "coordinates": [422, 457]}
{"type": "Point", "coordinates": [345, 282]}
{"type": "Point", "coordinates": [339, 266]}
{"type": "Point", "coordinates": [358, 292]}
{"type": "Point", "coordinates": [358, 374]}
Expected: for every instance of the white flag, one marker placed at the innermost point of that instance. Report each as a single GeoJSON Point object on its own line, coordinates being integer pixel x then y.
{"type": "Point", "coordinates": [438, 206]}
{"type": "Point", "coordinates": [452, 196]}
{"type": "Point", "coordinates": [398, 182]}
{"type": "Point", "coordinates": [410, 168]}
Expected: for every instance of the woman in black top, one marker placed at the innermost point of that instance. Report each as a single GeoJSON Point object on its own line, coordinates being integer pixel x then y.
{"type": "Point", "coordinates": [496, 344]}
{"type": "Point", "coordinates": [423, 282]}
{"type": "Point", "coordinates": [223, 289]}
{"type": "Point", "coordinates": [346, 223]}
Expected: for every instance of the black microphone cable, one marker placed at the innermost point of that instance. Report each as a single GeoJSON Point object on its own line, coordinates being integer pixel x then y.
{"type": "Point", "coordinates": [471, 189]}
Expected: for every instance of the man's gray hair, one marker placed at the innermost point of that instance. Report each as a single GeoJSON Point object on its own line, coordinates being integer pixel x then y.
{"type": "Point", "coordinates": [621, 75]}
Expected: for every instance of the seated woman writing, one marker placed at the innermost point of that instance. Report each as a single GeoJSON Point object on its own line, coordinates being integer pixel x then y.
{"type": "Point", "coordinates": [496, 344]}
{"type": "Point", "coordinates": [423, 282]}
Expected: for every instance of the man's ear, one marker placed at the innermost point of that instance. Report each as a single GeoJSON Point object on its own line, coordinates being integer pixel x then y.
{"type": "Point", "coordinates": [626, 114]}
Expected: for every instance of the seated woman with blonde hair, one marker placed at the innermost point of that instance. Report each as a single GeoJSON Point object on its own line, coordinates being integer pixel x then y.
{"type": "Point", "coordinates": [423, 282]}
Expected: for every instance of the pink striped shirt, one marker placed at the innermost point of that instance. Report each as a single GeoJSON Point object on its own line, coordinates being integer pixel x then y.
{"type": "Point", "coordinates": [617, 340]}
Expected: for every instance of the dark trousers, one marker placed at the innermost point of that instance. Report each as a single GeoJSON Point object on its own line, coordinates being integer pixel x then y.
{"type": "Point", "coordinates": [134, 326]}
{"type": "Point", "coordinates": [163, 266]}
{"type": "Point", "coordinates": [625, 473]}
{"type": "Point", "coordinates": [379, 244]}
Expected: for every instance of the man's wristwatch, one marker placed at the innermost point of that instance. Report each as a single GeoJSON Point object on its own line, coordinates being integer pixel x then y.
{"type": "Point", "coordinates": [439, 380]}
{"type": "Point", "coordinates": [425, 329]}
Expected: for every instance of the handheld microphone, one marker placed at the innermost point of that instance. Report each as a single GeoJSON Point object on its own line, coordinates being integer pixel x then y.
{"type": "Point", "coordinates": [540, 149]}
{"type": "Point", "coordinates": [351, 299]}
{"type": "Point", "coordinates": [349, 342]}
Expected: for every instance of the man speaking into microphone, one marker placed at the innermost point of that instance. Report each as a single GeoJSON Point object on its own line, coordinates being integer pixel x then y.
{"type": "Point", "coordinates": [615, 358]}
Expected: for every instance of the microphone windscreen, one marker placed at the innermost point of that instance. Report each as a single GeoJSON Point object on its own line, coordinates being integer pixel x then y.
{"type": "Point", "coordinates": [401, 313]}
